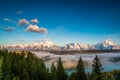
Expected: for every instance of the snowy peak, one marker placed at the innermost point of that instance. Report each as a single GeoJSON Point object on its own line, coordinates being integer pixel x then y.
{"type": "Point", "coordinates": [105, 45]}
{"type": "Point", "coordinates": [38, 45]}
{"type": "Point", "coordinates": [44, 43]}
{"type": "Point", "coordinates": [47, 44]}
{"type": "Point", "coordinates": [109, 42]}
{"type": "Point", "coordinates": [78, 46]}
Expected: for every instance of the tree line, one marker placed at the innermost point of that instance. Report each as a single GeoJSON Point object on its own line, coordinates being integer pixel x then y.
{"type": "Point", "coordinates": [26, 66]}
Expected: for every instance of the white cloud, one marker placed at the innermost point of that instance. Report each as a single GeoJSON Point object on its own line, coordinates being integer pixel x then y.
{"type": "Point", "coordinates": [34, 21]}
{"type": "Point", "coordinates": [7, 19]}
{"type": "Point", "coordinates": [43, 30]}
{"type": "Point", "coordinates": [9, 29]}
{"type": "Point", "coordinates": [19, 12]}
{"type": "Point", "coordinates": [35, 28]}
{"type": "Point", "coordinates": [23, 22]}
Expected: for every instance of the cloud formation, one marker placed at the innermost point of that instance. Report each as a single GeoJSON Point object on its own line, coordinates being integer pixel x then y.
{"type": "Point", "coordinates": [35, 28]}
{"type": "Point", "coordinates": [19, 12]}
{"type": "Point", "coordinates": [34, 21]}
{"type": "Point", "coordinates": [23, 22]}
{"type": "Point", "coordinates": [9, 29]}
{"type": "Point", "coordinates": [7, 19]}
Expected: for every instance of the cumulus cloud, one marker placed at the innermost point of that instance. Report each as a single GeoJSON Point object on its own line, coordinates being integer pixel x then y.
{"type": "Point", "coordinates": [34, 21]}
{"type": "Point", "coordinates": [43, 30]}
{"type": "Point", "coordinates": [19, 12]}
{"type": "Point", "coordinates": [23, 22]}
{"type": "Point", "coordinates": [9, 29]}
{"type": "Point", "coordinates": [7, 19]}
{"type": "Point", "coordinates": [35, 28]}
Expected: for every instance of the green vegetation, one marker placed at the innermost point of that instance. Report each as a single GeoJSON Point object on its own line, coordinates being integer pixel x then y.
{"type": "Point", "coordinates": [26, 66]}
{"type": "Point", "coordinates": [60, 72]}
{"type": "Point", "coordinates": [97, 69]}
{"type": "Point", "coordinates": [80, 71]}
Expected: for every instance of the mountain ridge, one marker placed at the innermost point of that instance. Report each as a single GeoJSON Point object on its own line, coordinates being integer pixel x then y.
{"type": "Point", "coordinates": [50, 46]}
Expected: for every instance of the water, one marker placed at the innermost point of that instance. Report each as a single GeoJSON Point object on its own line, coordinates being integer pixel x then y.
{"type": "Point", "coordinates": [70, 61]}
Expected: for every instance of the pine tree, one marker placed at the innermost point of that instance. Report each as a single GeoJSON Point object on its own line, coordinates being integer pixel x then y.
{"type": "Point", "coordinates": [6, 67]}
{"type": "Point", "coordinates": [60, 72]}
{"type": "Point", "coordinates": [97, 68]}
{"type": "Point", "coordinates": [80, 71]}
{"type": "Point", "coordinates": [53, 72]}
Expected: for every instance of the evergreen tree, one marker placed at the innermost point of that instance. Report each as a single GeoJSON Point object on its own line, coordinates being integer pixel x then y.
{"type": "Point", "coordinates": [53, 72]}
{"type": "Point", "coordinates": [23, 67]}
{"type": "Point", "coordinates": [97, 68]}
{"type": "Point", "coordinates": [72, 76]}
{"type": "Point", "coordinates": [118, 76]}
{"type": "Point", "coordinates": [6, 67]}
{"type": "Point", "coordinates": [60, 72]}
{"type": "Point", "coordinates": [80, 71]}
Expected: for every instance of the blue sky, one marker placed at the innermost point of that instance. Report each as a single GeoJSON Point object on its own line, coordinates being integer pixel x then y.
{"type": "Point", "coordinates": [83, 21]}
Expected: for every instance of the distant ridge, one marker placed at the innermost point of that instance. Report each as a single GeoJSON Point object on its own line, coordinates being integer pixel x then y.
{"type": "Point", "coordinates": [84, 51]}
{"type": "Point", "coordinates": [47, 45]}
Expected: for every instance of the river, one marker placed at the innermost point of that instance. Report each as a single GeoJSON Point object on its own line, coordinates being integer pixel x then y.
{"type": "Point", "coordinates": [110, 61]}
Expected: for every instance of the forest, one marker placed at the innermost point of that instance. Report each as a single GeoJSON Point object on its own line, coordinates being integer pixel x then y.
{"type": "Point", "coordinates": [26, 66]}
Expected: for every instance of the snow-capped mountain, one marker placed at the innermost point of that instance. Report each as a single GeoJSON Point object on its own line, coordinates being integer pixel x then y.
{"type": "Point", "coordinates": [49, 45]}
{"type": "Point", "coordinates": [39, 45]}
{"type": "Point", "coordinates": [15, 46]}
{"type": "Point", "coordinates": [43, 45]}
{"type": "Point", "coordinates": [78, 46]}
{"type": "Point", "coordinates": [105, 45]}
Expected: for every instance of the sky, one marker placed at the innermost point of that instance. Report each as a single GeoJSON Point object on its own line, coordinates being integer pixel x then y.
{"type": "Point", "coordinates": [62, 21]}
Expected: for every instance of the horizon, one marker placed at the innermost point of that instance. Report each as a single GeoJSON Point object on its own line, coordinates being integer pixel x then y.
{"type": "Point", "coordinates": [61, 21]}
{"type": "Point", "coordinates": [109, 41]}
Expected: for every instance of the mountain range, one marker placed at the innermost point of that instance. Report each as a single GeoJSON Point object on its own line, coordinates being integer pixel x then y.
{"type": "Point", "coordinates": [49, 45]}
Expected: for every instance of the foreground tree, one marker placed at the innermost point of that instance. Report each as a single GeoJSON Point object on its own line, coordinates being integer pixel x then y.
{"type": "Point", "coordinates": [60, 72]}
{"type": "Point", "coordinates": [6, 67]}
{"type": "Point", "coordinates": [80, 70]}
{"type": "Point", "coordinates": [53, 72]}
{"type": "Point", "coordinates": [26, 66]}
{"type": "Point", "coordinates": [97, 69]}
{"type": "Point", "coordinates": [23, 66]}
